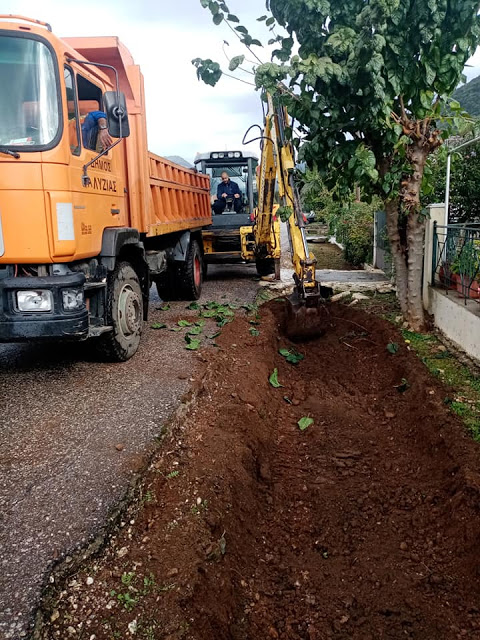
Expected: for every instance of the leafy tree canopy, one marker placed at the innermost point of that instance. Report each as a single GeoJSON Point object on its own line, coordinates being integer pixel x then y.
{"type": "Point", "coordinates": [368, 81]}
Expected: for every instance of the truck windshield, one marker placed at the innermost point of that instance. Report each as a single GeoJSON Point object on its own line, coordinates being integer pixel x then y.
{"type": "Point", "coordinates": [29, 112]}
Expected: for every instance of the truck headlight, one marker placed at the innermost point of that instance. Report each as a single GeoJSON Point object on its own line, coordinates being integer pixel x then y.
{"type": "Point", "coordinates": [34, 300]}
{"type": "Point", "coordinates": [72, 299]}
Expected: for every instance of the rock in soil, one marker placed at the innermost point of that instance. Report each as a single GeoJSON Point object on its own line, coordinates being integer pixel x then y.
{"type": "Point", "coordinates": [356, 527]}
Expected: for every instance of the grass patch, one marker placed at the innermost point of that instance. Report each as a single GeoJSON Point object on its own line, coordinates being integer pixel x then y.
{"type": "Point", "coordinates": [465, 385]}
{"type": "Point", "coordinates": [464, 394]}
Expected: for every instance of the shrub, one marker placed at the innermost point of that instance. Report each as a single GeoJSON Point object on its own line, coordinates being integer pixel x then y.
{"type": "Point", "coordinates": [352, 226]}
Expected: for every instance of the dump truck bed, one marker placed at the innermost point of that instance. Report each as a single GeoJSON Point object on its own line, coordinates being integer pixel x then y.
{"type": "Point", "coordinates": [163, 197]}
{"type": "Point", "coordinates": [180, 197]}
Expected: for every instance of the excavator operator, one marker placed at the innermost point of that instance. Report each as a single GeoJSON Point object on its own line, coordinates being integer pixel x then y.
{"type": "Point", "coordinates": [227, 189]}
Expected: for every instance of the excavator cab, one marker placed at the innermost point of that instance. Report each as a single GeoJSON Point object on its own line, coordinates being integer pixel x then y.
{"type": "Point", "coordinates": [229, 239]}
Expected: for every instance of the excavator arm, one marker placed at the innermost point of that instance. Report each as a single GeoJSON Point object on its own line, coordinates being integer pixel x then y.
{"type": "Point", "coordinates": [306, 313]}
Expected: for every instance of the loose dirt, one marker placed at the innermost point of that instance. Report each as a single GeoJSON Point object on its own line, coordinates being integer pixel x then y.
{"type": "Point", "coordinates": [365, 525]}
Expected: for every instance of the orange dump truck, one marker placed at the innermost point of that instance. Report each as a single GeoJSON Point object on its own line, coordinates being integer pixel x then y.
{"type": "Point", "coordinates": [88, 217]}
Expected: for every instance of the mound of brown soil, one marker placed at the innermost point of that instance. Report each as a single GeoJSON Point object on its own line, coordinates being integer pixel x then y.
{"type": "Point", "coordinates": [365, 525]}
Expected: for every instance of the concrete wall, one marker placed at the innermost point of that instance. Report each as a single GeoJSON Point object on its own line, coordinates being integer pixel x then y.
{"type": "Point", "coordinates": [458, 321]}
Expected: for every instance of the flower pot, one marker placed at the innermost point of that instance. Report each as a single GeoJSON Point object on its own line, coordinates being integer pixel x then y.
{"type": "Point", "coordinates": [453, 281]}
{"type": "Point", "coordinates": [447, 278]}
{"type": "Point", "coordinates": [466, 288]}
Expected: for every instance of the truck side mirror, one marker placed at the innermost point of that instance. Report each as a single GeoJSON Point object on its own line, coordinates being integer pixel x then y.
{"type": "Point", "coordinates": [117, 116]}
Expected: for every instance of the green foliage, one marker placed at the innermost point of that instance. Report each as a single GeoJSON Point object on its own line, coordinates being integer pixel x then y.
{"type": "Point", "coordinates": [392, 347]}
{"type": "Point", "coordinates": [305, 422]}
{"type": "Point", "coordinates": [369, 86]}
{"type": "Point", "coordinates": [192, 343]}
{"type": "Point", "coordinates": [284, 213]}
{"type": "Point", "coordinates": [315, 196]}
{"type": "Point", "coordinates": [291, 355]}
{"type": "Point", "coordinates": [352, 226]}
{"type": "Point", "coordinates": [273, 379]}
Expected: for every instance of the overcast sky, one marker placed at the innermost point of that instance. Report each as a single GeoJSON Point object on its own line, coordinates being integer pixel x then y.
{"type": "Point", "coordinates": [183, 115]}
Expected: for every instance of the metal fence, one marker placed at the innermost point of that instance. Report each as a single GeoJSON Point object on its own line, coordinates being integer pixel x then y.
{"type": "Point", "coordinates": [456, 260]}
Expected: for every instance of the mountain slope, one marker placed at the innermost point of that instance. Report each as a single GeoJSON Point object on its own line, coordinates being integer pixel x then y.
{"type": "Point", "coordinates": [468, 95]}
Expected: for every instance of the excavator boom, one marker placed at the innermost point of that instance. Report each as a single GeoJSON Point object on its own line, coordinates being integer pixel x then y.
{"type": "Point", "coordinates": [306, 309]}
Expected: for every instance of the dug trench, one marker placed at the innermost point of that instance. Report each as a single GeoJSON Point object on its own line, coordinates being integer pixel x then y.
{"type": "Point", "coordinates": [364, 525]}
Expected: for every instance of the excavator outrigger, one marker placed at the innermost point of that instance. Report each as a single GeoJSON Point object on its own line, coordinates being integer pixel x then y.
{"type": "Point", "coordinates": [307, 316]}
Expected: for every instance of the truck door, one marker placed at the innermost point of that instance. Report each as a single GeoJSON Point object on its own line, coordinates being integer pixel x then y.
{"type": "Point", "coordinates": [100, 204]}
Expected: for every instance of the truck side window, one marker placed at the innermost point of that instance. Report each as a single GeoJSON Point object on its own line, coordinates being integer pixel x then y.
{"type": "Point", "coordinates": [72, 126]}
{"type": "Point", "coordinates": [89, 106]}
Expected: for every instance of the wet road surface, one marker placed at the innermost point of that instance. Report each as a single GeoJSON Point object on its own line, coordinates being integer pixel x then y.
{"type": "Point", "coordinates": [73, 434]}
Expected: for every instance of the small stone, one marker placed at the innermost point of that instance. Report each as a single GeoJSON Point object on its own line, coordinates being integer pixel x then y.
{"type": "Point", "coordinates": [182, 376]}
{"type": "Point", "coordinates": [199, 501]}
{"type": "Point", "coordinates": [122, 552]}
{"type": "Point", "coordinates": [295, 402]}
{"type": "Point", "coordinates": [359, 296]}
{"type": "Point", "coordinates": [340, 296]}
{"type": "Point", "coordinates": [55, 615]}
{"type": "Point", "coordinates": [389, 414]}
{"type": "Point", "coordinates": [119, 446]}
{"type": "Point", "coordinates": [132, 626]}
{"type": "Point", "coordinates": [403, 546]}
{"type": "Point", "coordinates": [173, 572]}
{"type": "Point", "coordinates": [89, 580]}
{"type": "Point", "coordinates": [353, 303]}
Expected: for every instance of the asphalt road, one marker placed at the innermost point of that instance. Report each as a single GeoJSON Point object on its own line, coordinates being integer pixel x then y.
{"type": "Point", "coordinates": [73, 433]}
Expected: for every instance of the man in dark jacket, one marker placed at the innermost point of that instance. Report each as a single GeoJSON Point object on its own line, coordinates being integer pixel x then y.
{"type": "Point", "coordinates": [227, 189]}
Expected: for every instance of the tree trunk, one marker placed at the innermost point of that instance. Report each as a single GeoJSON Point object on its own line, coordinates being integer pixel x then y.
{"type": "Point", "coordinates": [410, 197]}
{"type": "Point", "coordinates": [398, 249]}
{"type": "Point", "coordinates": [415, 234]}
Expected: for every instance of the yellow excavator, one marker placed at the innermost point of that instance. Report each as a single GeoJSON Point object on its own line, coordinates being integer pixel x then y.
{"type": "Point", "coordinates": [307, 316]}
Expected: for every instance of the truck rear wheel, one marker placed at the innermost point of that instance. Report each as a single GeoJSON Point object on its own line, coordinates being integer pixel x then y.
{"type": "Point", "coordinates": [166, 285]}
{"type": "Point", "coordinates": [265, 266]}
{"type": "Point", "coordinates": [191, 273]}
{"type": "Point", "coordinates": [124, 314]}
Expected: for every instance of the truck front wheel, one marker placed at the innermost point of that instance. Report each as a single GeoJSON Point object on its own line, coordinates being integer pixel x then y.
{"type": "Point", "coordinates": [124, 314]}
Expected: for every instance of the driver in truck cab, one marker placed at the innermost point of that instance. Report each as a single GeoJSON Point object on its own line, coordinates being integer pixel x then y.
{"type": "Point", "coordinates": [227, 189]}
{"type": "Point", "coordinates": [95, 124]}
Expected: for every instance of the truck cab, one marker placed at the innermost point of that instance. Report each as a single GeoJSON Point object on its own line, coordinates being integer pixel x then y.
{"type": "Point", "coordinates": [85, 227]}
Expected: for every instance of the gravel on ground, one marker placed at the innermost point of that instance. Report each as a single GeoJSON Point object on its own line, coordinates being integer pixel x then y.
{"type": "Point", "coordinates": [76, 432]}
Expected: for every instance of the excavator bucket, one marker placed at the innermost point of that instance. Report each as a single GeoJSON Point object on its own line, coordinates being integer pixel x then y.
{"type": "Point", "coordinates": [308, 318]}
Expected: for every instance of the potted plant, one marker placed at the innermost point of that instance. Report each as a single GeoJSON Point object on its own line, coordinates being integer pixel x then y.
{"type": "Point", "coordinates": [468, 269]}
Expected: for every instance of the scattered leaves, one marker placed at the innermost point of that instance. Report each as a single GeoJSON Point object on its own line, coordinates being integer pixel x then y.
{"type": "Point", "coordinates": [158, 325]}
{"type": "Point", "coordinates": [273, 379]}
{"type": "Point", "coordinates": [292, 356]}
{"type": "Point", "coordinates": [403, 386]}
{"type": "Point", "coordinates": [254, 332]}
{"type": "Point", "coordinates": [305, 422]}
{"type": "Point", "coordinates": [392, 347]}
